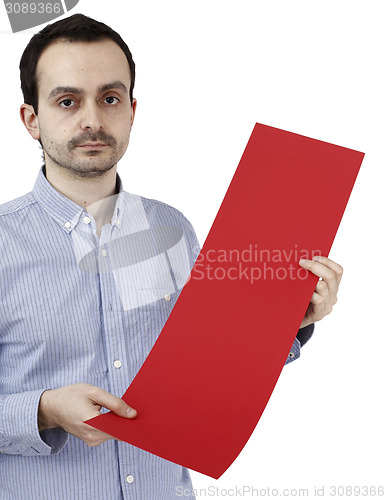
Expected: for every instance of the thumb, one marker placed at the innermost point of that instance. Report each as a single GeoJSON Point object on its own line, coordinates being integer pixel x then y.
{"type": "Point", "coordinates": [117, 405]}
{"type": "Point", "coordinates": [123, 410]}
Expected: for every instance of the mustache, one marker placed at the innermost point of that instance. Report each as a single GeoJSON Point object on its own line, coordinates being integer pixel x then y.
{"type": "Point", "coordinates": [92, 137]}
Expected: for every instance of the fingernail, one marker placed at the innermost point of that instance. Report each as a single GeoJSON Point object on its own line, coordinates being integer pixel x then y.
{"type": "Point", "coordinates": [302, 262]}
{"type": "Point", "coordinates": [130, 412]}
{"type": "Point", "coordinates": [317, 257]}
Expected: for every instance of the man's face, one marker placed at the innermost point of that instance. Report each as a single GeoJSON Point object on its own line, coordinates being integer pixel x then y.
{"type": "Point", "coordinates": [85, 114]}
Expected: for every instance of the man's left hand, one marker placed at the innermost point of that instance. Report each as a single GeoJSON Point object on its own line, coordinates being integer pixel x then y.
{"type": "Point", "coordinates": [325, 295]}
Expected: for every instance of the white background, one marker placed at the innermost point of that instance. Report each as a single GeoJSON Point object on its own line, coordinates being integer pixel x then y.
{"type": "Point", "coordinates": [206, 72]}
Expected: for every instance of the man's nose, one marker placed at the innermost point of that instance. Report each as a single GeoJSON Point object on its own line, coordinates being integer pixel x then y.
{"type": "Point", "coordinates": [91, 117]}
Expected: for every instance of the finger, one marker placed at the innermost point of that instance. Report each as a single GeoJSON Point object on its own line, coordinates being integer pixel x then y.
{"type": "Point", "coordinates": [317, 302]}
{"type": "Point", "coordinates": [321, 305]}
{"type": "Point", "coordinates": [112, 403]}
{"type": "Point", "coordinates": [322, 290]}
{"type": "Point", "coordinates": [338, 270]}
{"type": "Point", "coordinates": [322, 271]}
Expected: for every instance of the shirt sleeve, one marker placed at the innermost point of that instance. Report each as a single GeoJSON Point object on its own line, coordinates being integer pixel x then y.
{"type": "Point", "coordinates": [303, 336]}
{"type": "Point", "coordinates": [19, 433]}
{"type": "Point", "coordinates": [194, 247]}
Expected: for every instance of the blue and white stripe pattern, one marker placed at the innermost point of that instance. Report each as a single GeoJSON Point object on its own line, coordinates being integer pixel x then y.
{"type": "Point", "coordinates": [67, 315]}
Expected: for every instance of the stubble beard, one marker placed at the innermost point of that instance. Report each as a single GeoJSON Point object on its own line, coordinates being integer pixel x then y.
{"type": "Point", "coordinates": [88, 165]}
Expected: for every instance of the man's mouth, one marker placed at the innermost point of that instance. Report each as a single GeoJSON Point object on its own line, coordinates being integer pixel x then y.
{"type": "Point", "coordinates": [92, 145]}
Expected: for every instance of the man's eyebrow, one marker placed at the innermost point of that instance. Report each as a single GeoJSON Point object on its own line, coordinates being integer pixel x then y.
{"type": "Point", "coordinates": [113, 85]}
{"type": "Point", "coordinates": [74, 90]}
{"type": "Point", "coordinates": [65, 90]}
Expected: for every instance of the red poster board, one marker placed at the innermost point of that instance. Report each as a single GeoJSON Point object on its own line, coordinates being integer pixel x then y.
{"type": "Point", "coordinates": [206, 382]}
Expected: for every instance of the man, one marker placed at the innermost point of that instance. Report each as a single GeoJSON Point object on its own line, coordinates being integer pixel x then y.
{"type": "Point", "coordinates": [79, 312]}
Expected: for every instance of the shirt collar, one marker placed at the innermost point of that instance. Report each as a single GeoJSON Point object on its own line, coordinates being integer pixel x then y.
{"type": "Point", "coordinates": [64, 211]}
{"type": "Point", "coordinates": [119, 205]}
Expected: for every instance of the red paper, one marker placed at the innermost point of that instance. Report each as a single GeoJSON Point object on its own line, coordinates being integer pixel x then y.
{"type": "Point", "coordinates": [209, 376]}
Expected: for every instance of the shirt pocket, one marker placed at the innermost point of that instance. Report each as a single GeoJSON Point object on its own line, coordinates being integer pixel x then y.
{"type": "Point", "coordinates": [157, 276]}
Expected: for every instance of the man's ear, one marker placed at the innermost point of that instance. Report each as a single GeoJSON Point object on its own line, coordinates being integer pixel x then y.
{"type": "Point", "coordinates": [30, 120]}
{"type": "Point", "coordinates": [133, 108]}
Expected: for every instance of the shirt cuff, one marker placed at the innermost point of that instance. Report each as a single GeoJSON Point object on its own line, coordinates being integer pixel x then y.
{"type": "Point", "coordinates": [305, 333]}
{"type": "Point", "coordinates": [303, 336]}
{"type": "Point", "coordinates": [294, 352]}
{"type": "Point", "coordinates": [19, 433]}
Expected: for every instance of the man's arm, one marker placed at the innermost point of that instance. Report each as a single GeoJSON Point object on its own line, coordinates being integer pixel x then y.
{"type": "Point", "coordinates": [68, 407]}
{"type": "Point", "coordinates": [19, 434]}
{"type": "Point", "coordinates": [37, 423]}
{"type": "Point", "coordinates": [322, 301]}
{"type": "Point", "coordinates": [325, 295]}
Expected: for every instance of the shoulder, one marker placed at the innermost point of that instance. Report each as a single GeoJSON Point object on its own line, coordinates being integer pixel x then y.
{"type": "Point", "coordinates": [14, 207]}
{"type": "Point", "coordinates": [12, 213]}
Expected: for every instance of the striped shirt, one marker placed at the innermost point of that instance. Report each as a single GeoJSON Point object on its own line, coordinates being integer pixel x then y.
{"type": "Point", "coordinates": [77, 307]}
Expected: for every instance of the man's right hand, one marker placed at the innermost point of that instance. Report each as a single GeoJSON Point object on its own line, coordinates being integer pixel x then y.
{"type": "Point", "coordinates": [68, 407]}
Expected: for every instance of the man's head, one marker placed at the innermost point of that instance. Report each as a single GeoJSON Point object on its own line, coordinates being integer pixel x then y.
{"type": "Point", "coordinates": [76, 28]}
{"type": "Point", "coordinates": [77, 79]}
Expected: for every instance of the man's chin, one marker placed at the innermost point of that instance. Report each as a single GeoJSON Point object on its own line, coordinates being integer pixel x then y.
{"type": "Point", "coordinates": [85, 165]}
{"type": "Point", "coordinates": [85, 170]}
{"type": "Point", "coordinates": [91, 171]}
{"type": "Point", "coordinates": [92, 152]}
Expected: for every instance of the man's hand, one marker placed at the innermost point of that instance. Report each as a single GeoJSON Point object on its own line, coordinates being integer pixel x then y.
{"type": "Point", "coordinates": [68, 407]}
{"type": "Point", "coordinates": [326, 291]}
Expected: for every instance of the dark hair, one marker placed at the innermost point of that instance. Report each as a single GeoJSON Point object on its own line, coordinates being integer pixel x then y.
{"type": "Point", "coordinates": [76, 28]}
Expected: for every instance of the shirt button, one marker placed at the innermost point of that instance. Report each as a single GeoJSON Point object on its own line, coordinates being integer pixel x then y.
{"type": "Point", "coordinates": [129, 478]}
{"type": "Point", "coordinates": [67, 224]}
{"type": "Point", "coordinates": [117, 363]}
{"type": "Point", "coordinates": [291, 355]}
{"type": "Point", "coordinates": [167, 297]}
{"type": "Point", "coordinates": [104, 253]}
{"type": "Point", "coordinates": [86, 220]}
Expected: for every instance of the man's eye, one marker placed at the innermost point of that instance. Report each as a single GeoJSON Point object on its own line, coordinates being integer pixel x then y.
{"type": "Point", "coordinates": [111, 100]}
{"type": "Point", "coordinates": [66, 103]}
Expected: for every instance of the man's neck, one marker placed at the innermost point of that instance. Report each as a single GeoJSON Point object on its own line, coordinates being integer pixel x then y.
{"type": "Point", "coordinates": [96, 195]}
